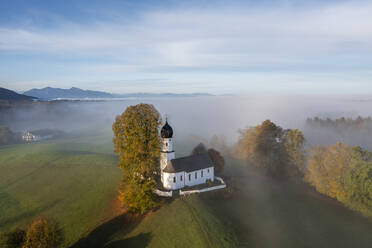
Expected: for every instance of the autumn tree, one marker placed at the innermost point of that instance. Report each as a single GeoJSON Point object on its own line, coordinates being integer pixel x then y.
{"type": "Point", "coordinates": [199, 149]}
{"type": "Point", "coordinates": [136, 141]}
{"type": "Point", "coordinates": [294, 147]}
{"type": "Point", "coordinates": [218, 160]}
{"type": "Point", "coordinates": [344, 173]}
{"type": "Point", "coordinates": [278, 152]}
{"type": "Point", "coordinates": [357, 188]}
{"type": "Point", "coordinates": [316, 173]}
{"type": "Point", "coordinates": [43, 233]}
{"type": "Point", "coordinates": [262, 147]}
{"type": "Point", "coordinates": [327, 166]}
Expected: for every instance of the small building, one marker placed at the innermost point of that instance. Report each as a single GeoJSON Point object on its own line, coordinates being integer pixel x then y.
{"type": "Point", "coordinates": [42, 134]}
{"type": "Point", "coordinates": [29, 137]}
{"type": "Point", "coordinates": [176, 173]}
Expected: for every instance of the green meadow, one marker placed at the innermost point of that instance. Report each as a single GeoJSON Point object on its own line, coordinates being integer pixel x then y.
{"type": "Point", "coordinates": [74, 181]}
{"type": "Point", "coordinates": [71, 180]}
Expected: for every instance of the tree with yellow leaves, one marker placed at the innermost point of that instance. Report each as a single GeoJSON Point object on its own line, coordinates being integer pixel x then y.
{"type": "Point", "coordinates": [43, 233]}
{"type": "Point", "coordinates": [136, 141]}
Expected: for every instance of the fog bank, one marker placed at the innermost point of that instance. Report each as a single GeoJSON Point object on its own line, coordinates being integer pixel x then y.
{"type": "Point", "coordinates": [193, 116]}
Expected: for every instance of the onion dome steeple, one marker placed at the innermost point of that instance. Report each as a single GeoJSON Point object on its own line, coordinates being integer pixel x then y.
{"type": "Point", "coordinates": [166, 131]}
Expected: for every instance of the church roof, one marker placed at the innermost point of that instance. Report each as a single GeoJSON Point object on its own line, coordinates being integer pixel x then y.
{"type": "Point", "coordinates": [190, 163]}
{"type": "Point", "coordinates": [166, 131]}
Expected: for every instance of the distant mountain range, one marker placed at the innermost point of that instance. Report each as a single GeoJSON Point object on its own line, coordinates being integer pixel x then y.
{"type": "Point", "coordinates": [12, 96]}
{"type": "Point", "coordinates": [50, 93]}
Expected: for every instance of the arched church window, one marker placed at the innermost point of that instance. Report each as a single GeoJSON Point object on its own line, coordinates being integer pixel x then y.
{"type": "Point", "coordinates": [174, 179]}
{"type": "Point", "coordinates": [181, 177]}
{"type": "Point", "coordinates": [196, 174]}
{"type": "Point", "coordinates": [166, 144]}
{"type": "Point", "coordinates": [202, 173]}
{"type": "Point", "coordinates": [189, 177]}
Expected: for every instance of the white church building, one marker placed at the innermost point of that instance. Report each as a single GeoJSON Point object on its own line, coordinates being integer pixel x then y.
{"type": "Point", "coordinates": [176, 173]}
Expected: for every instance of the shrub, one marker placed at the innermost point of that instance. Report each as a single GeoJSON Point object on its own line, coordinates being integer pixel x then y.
{"type": "Point", "coordinates": [13, 239]}
{"type": "Point", "coordinates": [43, 233]}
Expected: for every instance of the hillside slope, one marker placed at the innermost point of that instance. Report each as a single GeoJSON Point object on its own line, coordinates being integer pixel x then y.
{"type": "Point", "coordinates": [10, 95]}
{"type": "Point", "coordinates": [185, 222]}
{"type": "Point", "coordinates": [266, 213]}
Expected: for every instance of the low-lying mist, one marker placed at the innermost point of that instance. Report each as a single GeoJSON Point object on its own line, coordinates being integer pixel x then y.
{"type": "Point", "coordinates": [199, 116]}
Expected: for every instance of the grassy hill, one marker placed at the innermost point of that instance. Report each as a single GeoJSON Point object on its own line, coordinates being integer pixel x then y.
{"type": "Point", "coordinates": [184, 222]}
{"type": "Point", "coordinates": [74, 180]}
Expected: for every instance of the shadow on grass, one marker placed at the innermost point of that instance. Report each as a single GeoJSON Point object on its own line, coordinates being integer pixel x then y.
{"type": "Point", "coordinates": [104, 233]}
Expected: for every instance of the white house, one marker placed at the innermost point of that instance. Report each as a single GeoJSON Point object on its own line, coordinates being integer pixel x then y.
{"type": "Point", "coordinates": [27, 136]}
{"type": "Point", "coordinates": [176, 173]}
{"type": "Point", "coordinates": [41, 134]}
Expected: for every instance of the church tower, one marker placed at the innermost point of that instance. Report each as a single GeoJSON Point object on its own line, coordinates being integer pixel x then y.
{"type": "Point", "coordinates": [166, 152]}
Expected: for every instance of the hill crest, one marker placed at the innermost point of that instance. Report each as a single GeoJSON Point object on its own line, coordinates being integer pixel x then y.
{"type": "Point", "coordinates": [9, 95]}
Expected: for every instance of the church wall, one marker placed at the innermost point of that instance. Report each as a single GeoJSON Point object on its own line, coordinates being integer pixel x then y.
{"type": "Point", "coordinates": [170, 183]}
{"type": "Point", "coordinates": [165, 157]}
{"type": "Point", "coordinates": [191, 180]}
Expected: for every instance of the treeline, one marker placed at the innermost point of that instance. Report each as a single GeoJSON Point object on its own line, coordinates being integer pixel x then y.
{"type": "Point", "coordinates": [354, 132]}
{"type": "Point", "coordinates": [339, 171]}
{"type": "Point", "coordinates": [341, 123]}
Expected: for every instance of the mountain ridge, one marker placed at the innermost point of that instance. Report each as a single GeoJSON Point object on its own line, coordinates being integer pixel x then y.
{"type": "Point", "coordinates": [50, 93]}
{"type": "Point", "coordinates": [10, 95]}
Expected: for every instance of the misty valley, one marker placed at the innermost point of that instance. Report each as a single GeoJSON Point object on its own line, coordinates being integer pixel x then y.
{"type": "Point", "coordinates": [297, 171]}
{"type": "Point", "coordinates": [185, 124]}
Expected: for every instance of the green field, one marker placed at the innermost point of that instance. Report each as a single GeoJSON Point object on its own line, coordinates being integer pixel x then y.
{"type": "Point", "coordinates": [71, 180]}
{"type": "Point", "coordinates": [74, 181]}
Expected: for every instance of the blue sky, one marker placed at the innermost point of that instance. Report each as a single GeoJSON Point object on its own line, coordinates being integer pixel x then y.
{"type": "Point", "coordinates": [220, 47]}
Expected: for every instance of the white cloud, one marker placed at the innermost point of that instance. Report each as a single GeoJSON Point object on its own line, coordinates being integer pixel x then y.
{"type": "Point", "coordinates": [232, 37]}
{"type": "Point", "coordinates": [262, 47]}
